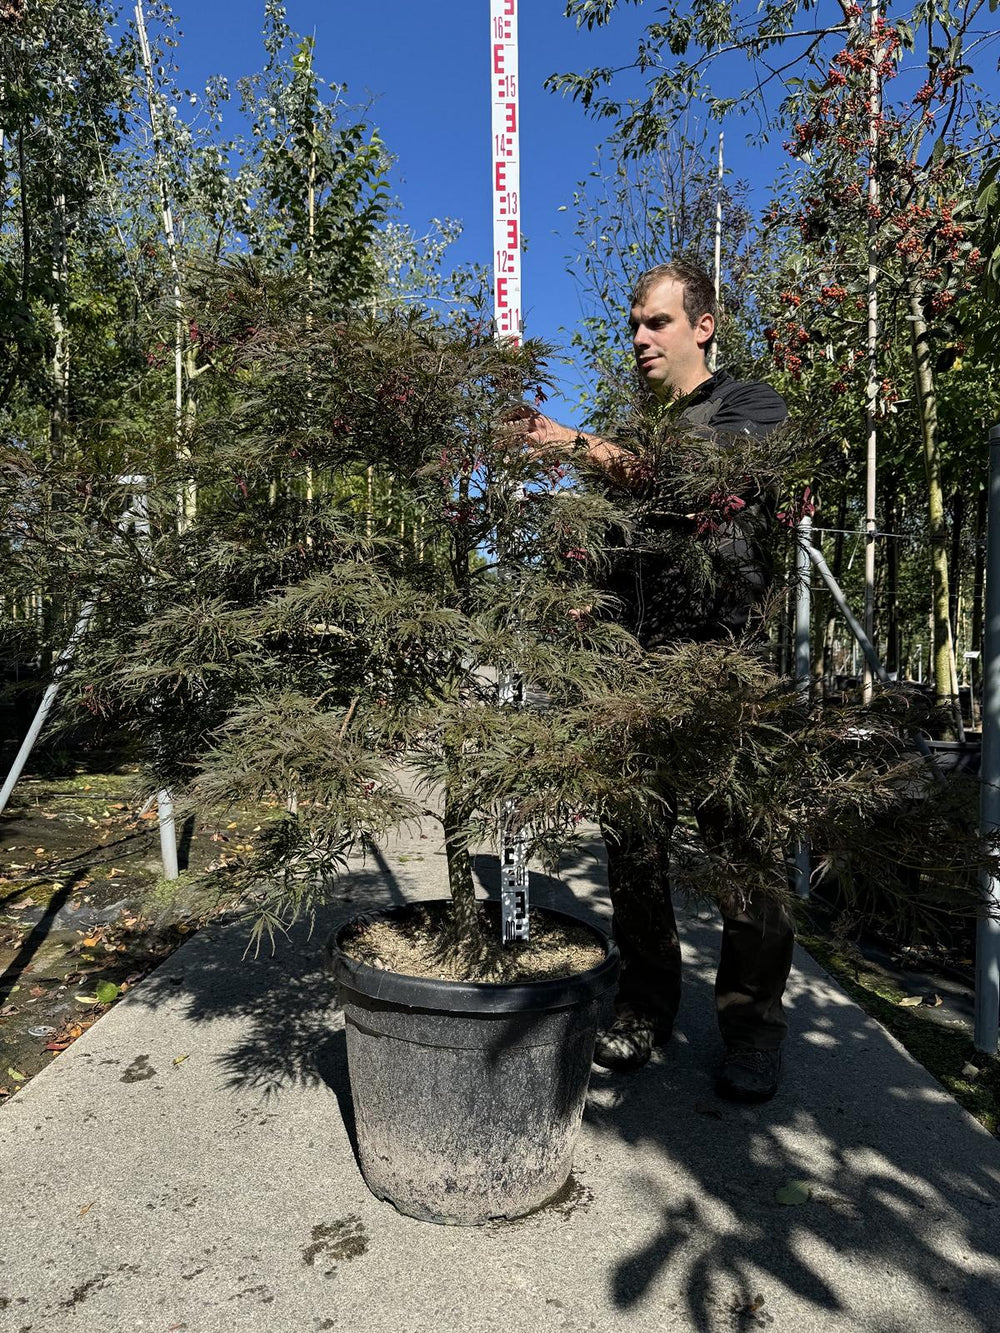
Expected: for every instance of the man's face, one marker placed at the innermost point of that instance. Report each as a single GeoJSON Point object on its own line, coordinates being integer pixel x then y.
{"type": "Point", "coordinates": [669, 353]}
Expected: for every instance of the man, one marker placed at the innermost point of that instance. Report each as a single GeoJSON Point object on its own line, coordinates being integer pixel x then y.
{"type": "Point", "coordinates": [672, 322]}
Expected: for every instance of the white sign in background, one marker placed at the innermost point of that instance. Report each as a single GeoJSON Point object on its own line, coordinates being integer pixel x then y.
{"type": "Point", "coordinates": [507, 306]}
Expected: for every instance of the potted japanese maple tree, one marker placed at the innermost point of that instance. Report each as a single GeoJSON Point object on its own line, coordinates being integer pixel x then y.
{"type": "Point", "coordinates": [373, 548]}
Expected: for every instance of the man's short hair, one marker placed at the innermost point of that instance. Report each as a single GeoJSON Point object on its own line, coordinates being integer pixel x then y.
{"type": "Point", "coordinates": [699, 289]}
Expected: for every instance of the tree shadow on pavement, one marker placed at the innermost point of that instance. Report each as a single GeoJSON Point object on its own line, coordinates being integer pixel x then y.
{"type": "Point", "coordinates": [900, 1227]}
{"type": "Point", "coordinates": [901, 1195]}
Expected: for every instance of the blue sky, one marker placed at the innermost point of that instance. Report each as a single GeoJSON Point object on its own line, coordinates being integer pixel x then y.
{"type": "Point", "coordinates": [429, 78]}
{"type": "Point", "coordinates": [425, 65]}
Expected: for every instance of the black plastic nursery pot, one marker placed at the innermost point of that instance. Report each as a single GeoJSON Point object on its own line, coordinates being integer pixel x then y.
{"type": "Point", "coordinates": [467, 1097]}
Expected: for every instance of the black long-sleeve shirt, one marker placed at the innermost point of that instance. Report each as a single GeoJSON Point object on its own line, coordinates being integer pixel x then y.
{"type": "Point", "coordinates": [675, 582]}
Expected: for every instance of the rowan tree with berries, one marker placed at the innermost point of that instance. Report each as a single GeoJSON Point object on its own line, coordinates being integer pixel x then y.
{"type": "Point", "coordinates": [880, 209]}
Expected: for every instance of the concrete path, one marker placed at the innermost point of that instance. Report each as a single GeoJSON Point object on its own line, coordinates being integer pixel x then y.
{"type": "Point", "coordinates": [186, 1165]}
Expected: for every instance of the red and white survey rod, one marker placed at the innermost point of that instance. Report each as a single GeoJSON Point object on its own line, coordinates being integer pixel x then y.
{"type": "Point", "coordinates": [507, 314]}
{"type": "Point", "coordinates": [507, 306]}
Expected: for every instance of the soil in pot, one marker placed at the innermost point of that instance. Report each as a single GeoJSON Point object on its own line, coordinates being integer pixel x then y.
{"type": "Point", "coordinates": [416, 945]}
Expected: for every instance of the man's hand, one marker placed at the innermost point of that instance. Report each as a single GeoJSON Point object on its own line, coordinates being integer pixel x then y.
{"type": "Point", "coordinates": [536, 429]}
{"type": "Point", "coordinates": [549, 439]}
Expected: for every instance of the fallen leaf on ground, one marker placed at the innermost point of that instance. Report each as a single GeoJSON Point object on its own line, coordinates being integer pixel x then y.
{"type": "Point", "coordinates": [910, 1001]}
{"type": "Point", "coordinates": [933, 1000]}
{"type": "Point", "coordinates": [36, 991]}
{"type": "Point", "coordinates": [795, 1192]}
{"type": "Point", "coordinates": [87, 1207]}
{"type": "Point", "coordinates": [7, 1010]}
{"type": "Point", "coordinates": [150, 814]}
{"type": "Point", "coordinates": [19, 907]}
{"type": "Point", "coordinates": [39, 851]}
{"type": "Point", "coordinates": [179, 1059]}
{"type": "Point", "coordinates": [85, 999]}
{"type": "Point", "coordinates": [743, 1307]}
{"type": "Point", "coordinates": [15, 1074]}
{"type": "Point", "coordinates": [106, 991]}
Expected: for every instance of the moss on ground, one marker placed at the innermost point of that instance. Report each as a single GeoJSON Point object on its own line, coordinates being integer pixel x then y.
{"type": "Point", "coordinates": [946, 1053]}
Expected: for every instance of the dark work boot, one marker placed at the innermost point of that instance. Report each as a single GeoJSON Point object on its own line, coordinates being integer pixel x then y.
{"type": "Point", "coordinates": [748, 1075]}
{"type": "Point", "coordinates": [628, 1042]}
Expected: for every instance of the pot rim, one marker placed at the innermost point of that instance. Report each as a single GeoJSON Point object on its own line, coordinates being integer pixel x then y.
{"type": "Point", "coordinates": [479, 997]}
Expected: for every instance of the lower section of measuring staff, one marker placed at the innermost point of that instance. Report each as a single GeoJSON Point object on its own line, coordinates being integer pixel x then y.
{"type": "Point", "coordinates": [513, 860]}
{"type": "Point", "coordinates": [513, 889]}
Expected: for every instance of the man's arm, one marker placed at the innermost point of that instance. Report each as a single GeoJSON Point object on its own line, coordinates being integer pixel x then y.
{"type": "Point", "coordinates": [618, 464]}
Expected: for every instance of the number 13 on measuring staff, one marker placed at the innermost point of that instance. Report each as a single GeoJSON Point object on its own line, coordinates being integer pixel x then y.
{"type": "Point", "coordinates": [506, 171]}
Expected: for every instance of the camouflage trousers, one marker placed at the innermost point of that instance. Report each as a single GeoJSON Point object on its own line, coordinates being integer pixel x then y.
{"type": "Point", "coordinates": [757, 941]}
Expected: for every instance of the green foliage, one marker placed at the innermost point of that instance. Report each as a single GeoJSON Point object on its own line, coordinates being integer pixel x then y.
{"type": "Point", "coordinates": [319, 191]}
{"type": "Point", "coordinates": [61, 85]}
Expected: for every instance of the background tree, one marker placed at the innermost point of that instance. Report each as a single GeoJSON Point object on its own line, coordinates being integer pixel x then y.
{"type": "Point", "coordinates": [878, 205]}
{"type": "Point", "coordinates": [633, 212]}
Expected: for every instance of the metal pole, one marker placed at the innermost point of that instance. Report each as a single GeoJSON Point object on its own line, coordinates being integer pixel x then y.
{"type": "Point", "coordinates": [164, 800]}
{"type": "Point", "coordinates": [987, 1025]}
{"type": "Point", "coordinates": [802, 606]}
{"type": "Point", "coordinates": [872, 385]}
{"type": "Point", "coordinates": [48, 699]}
{"type": "Point", "coordinates": [713, 355]}
{"type": "Point", "coordinates": [803, 574]}
{"type": "Point", "coordinates": [168, 833]}
{"type": "Point", "coordinates": [870, 655]}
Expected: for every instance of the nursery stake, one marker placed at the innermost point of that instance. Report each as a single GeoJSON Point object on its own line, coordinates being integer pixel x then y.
{"type": "Point", "coordinates": [507, 321]}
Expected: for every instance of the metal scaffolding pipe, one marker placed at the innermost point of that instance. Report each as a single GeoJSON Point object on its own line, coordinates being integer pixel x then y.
{"type": "Point", "coordinates": [987, 1024]}
{"type": "Point", "coordinates": [45, 707]}
{"type": "Point", "coordinates": [803, 609]}
{"type": "Point", "coordinates": [164, 799]}
{"type": "Point", "coordinates": [871, 657]}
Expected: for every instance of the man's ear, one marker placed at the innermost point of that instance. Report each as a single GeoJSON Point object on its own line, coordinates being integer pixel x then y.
{"type": "Point", "coordinates": [704, 329]}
